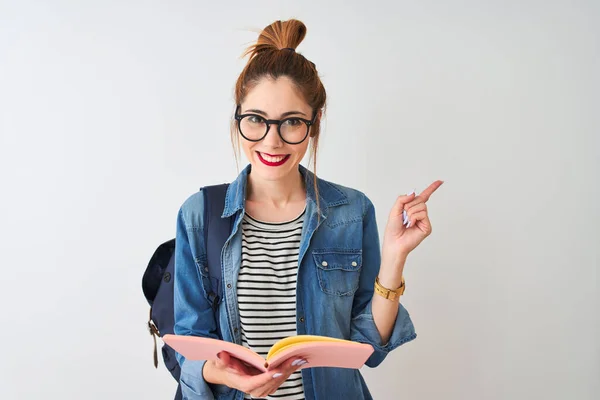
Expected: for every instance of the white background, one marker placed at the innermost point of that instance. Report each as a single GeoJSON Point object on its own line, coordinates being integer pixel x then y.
{"type": "Point", "coordinates": [113, 112]}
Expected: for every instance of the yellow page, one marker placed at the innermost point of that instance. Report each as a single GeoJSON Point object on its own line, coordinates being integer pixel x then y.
{"type": "Point", "coordinates": [286, 343]}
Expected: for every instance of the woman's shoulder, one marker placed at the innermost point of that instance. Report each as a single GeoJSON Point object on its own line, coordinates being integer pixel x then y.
{"type": "Point", "coordinates": [192, 209]}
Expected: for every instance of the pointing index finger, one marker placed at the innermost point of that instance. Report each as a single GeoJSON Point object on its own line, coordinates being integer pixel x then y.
{"type": "Point", "coordinates": [425, 194]}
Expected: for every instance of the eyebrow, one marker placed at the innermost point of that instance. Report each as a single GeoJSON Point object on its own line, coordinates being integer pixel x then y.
{"type": "Point", "coordinates": [285, 114]}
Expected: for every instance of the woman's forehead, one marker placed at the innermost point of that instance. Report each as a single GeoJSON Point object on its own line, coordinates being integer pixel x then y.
{"type": "Point", "coordinates": [275, 97]}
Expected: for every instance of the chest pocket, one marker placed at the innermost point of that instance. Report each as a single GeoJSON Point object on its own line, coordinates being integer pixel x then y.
{"type": "Point", "coordinates": [338, 270]}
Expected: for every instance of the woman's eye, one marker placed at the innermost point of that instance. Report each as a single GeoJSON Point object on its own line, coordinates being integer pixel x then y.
{"type": "Point", "coordinates": [254, 119]}
{"type": "Point", "coordinates": [292, 122]}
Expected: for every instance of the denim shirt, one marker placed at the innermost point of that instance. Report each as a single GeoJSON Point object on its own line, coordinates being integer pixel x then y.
{"type": "Point", "coordinates": [338, 261]}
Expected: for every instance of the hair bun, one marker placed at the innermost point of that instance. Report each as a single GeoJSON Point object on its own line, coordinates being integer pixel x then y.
{"type": "Point", "coordinates": [278, 36]}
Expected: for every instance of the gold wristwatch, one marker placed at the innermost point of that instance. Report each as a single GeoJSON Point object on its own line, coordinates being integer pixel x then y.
{"type": "Point", "coordinates": [389, 294]}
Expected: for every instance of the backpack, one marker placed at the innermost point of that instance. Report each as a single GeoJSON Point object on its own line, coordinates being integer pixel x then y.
{"type": "Point", "coordinates": [157, 281]}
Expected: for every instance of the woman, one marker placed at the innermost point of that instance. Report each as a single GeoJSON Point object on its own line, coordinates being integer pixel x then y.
{"type": "Point", "coordinates": [303, 255]}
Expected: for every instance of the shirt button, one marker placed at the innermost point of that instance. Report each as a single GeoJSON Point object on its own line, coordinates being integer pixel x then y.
{"type": "Point", "coordinates": [324, 263]}
{"type": "Point", "coordinates": [229, 286]}
{"type": "Point", "coordinates": [206, 269]}
{"type": "Point", "coordinates": [301, 319]}
{"type": "Point", "coordinates": [354, 263]}
{"type": "Point", "coordinates": [236, 330]}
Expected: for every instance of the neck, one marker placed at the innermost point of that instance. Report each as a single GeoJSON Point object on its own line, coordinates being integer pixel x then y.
{"type": "Point", "coordinates": [277, 193]}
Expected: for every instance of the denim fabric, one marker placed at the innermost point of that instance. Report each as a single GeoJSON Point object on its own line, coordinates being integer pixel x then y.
{"type": "Point", "coordinates": [333, 298]}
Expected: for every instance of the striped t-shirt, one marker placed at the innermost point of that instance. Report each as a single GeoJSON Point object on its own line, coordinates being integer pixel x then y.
{"type": "Point", "coordinates": [267, 290]}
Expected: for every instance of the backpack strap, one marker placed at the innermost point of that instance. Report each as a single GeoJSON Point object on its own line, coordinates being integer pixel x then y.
{"type": "Point", "coordinates": [219, 228]}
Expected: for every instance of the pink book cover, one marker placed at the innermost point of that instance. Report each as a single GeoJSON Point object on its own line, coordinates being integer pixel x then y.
{"type": "Point", "coordinates": [317, 350]}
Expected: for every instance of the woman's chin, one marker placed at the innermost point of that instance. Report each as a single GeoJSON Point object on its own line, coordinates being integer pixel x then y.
{"type": "Point", "coordinates": [271, 173]}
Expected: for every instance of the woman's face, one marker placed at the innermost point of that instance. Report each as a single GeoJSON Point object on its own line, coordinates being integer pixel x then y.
{"type": "Point", "coordinates": [272, 158]}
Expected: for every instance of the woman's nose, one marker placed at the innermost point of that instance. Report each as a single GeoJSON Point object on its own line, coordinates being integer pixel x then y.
{"type": "Point", "coordinates": [272, 138]}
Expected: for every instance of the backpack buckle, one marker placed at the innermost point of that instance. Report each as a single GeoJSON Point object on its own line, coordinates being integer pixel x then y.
{"type": "Point", "coordinates": [152, 329]}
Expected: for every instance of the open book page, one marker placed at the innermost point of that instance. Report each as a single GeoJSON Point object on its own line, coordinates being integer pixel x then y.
{"type": "Point", "coordinates": [292, 340]}
{"type": "Point", "coordinates": [319, 351]}
{"type": "Point", "coordinates": [324, 353]}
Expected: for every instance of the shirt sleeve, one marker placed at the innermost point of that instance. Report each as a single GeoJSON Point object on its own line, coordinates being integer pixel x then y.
{"type": "Point", "coordinates": [363, 328]}
{"type": "Point", "coordinates": [193, 313]}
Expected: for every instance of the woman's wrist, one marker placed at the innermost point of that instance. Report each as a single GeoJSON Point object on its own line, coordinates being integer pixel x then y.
{"type": "Point", "coordinates": [391, 271]}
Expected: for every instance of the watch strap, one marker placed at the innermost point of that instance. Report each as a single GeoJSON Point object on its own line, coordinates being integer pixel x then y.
{"type": "Point", "coordinates": [389, 294]}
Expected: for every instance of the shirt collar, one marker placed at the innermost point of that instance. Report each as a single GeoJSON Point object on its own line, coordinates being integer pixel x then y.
{"type": "Point", "coordinates": [329, 195]}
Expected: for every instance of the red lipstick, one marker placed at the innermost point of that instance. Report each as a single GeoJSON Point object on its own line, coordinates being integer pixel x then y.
{"type": "Point", "coordinates": [272, 164]}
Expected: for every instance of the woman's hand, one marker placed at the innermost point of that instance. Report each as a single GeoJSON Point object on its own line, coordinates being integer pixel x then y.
{"type": "Point", "coordinates": [408, 225]}
{"type": "Point", "coordinates": [235, 374]}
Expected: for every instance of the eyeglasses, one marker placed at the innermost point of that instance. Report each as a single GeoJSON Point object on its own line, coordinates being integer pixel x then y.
{"type": "Point", "coordinates": [253, 127]}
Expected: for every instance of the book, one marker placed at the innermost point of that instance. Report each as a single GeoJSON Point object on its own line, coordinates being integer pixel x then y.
{"type": "Point", "coordinates": [318, 351]}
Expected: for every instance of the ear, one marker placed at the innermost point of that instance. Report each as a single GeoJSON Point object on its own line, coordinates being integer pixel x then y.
{"type": "Point", "coordinates": [317, 121]}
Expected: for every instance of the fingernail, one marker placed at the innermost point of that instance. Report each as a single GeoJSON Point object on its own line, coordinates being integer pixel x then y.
{"type": "Point", "coordinates": [302, 362]}
{"type": "Point", "coordinates": [296, 362]}
{"type": "Point", "coordinates": [277, 375]}
{"type": "Point", "coordinates": [411, 192]}
{"type": "Point", "coordinates": [408, 226]}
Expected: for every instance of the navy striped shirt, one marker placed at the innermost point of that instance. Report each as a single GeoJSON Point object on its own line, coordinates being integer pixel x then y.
{"type": "Point", "coordinates": [267, 290]}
